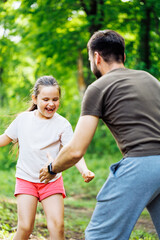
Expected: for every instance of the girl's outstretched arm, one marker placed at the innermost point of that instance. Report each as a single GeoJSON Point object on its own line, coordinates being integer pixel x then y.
{"type": "Point", "coordinates": [4, 140]}
{"type": "Point", "coordinates": [82, 168]}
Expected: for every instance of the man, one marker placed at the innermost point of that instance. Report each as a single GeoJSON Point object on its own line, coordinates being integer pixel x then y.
{"type": "Point", "coordinates": [128, 101]}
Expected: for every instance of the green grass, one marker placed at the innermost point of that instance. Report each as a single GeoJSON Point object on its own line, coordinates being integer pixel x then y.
{"type": "Point", "coordinates": [142, 235]}
{"type": "Point", "coordinates": [79, 203]}
{"type": "Point", "coordinates": [7, 183]}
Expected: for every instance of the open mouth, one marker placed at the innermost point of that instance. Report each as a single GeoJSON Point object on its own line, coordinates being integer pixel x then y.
{"type": "Point", "coordinates": [50, 110]}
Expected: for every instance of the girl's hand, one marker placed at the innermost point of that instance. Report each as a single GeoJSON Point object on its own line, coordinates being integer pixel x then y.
{"type": "Point", "coordinates": [88, 175]}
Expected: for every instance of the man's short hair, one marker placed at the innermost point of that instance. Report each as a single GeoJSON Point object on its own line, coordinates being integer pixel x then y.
{"type": "Point", "coordinates": [109, 44]}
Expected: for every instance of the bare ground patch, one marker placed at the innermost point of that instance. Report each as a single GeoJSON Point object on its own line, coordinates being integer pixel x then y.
{"type": "Point", "coordinates": [146, 224]}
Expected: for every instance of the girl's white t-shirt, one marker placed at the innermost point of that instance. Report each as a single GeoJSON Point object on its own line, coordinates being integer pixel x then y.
{"type": "Point", "coordinates": [36, 137]}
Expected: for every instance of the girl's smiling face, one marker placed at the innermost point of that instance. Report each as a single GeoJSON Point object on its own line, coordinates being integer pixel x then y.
{"type": "Point", "coordinates": [47, 101]}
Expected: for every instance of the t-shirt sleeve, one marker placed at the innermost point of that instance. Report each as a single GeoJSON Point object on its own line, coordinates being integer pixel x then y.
{"type": "Point", "coordinates": [66, 134]}
{"type": "Point", "coordinates": [12, 130]}
{"type": "Point", "coordinates": [92, 102]}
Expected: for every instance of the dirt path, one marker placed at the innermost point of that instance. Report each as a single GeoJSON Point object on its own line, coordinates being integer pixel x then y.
{"type": "Point", "coordinates": [146, 224]}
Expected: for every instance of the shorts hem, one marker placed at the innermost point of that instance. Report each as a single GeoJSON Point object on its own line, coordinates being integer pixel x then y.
{"type": "Point", "coordinates": [22, 193]}
{"type": "Point", "coordinates": [51, 193]}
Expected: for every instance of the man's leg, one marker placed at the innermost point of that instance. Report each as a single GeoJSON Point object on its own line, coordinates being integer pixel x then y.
{"type": "Point", "coordinates": [130, 186]}
{"type": "Point", "coordinates": [154, 210]}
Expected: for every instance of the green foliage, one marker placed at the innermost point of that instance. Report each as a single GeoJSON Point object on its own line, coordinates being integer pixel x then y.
{"type": "Point", "coordinates": [46, 37]}
{"type": "Point", "coordinates": [7, 156]}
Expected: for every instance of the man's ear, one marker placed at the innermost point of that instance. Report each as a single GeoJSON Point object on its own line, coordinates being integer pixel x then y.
{"type": "Point", "coordinates": [97, 57]}
{"type": "Point", "coordinates": [34, 99]}
{"type": "Point", "coordinates": [124, 57]}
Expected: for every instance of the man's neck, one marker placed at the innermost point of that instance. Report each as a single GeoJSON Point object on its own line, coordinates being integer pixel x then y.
{"type": "Point", "coordinates": [109, 67]}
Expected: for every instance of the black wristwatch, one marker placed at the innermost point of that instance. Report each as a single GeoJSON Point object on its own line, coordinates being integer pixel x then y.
{"type": "Point", "coordinates": [50, 169]}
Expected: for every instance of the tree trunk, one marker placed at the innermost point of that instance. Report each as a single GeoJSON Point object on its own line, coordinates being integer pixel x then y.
{"type": "Point", "coordinates": [144, 47]}
{"type": "Point", "coordinates": [94, 10]}
{"type": "Point", "coordinates": [81, 82]}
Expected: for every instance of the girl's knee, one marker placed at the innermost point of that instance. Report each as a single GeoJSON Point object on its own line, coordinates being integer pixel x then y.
{"type": "Point", "coordinates": [25, 228]}
{"type": "Point", "coordinates": [56, 226]}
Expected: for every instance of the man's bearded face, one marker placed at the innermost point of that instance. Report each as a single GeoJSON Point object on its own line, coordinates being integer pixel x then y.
{"type": "Point", "coordinates": [95, 71]}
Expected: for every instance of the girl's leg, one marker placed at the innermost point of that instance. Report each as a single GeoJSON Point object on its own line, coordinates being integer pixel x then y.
{"type": "Point", "coordinates": [54, 210]}
{"type": "Point", "coordinates": [26, 206]}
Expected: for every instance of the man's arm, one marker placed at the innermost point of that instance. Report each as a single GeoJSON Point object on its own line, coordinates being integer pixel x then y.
{"type": "Point", "coordinates": [75, 149]}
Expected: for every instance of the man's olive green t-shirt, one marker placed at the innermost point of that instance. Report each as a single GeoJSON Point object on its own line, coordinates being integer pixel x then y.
{"type": "Point", "coordinates": [128, 101]}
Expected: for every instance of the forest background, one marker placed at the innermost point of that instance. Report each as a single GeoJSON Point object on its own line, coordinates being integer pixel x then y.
{"type": "Point", "coordinates": [49, 37]}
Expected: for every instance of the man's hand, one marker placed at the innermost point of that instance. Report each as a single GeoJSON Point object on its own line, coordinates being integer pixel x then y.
{"type": "Point", "coordinates": [44, 174]}
{"type": "Point", "coordinates": [88, 175]}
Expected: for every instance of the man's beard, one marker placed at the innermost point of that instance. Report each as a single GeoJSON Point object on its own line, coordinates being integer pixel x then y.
{"type": "Point", "coordinates": [96, 72]}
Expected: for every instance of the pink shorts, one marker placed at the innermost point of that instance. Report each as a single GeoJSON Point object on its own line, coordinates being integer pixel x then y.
{"type": "Point", "coordinates": [39, 190]}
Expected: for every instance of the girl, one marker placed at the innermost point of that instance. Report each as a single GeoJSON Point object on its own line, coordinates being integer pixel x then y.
{"type": "Point", "coordinates": [39, 131]}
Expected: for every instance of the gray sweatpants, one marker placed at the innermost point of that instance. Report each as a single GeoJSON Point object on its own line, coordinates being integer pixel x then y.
{"type": "Point", "coordinates": [133, 184]}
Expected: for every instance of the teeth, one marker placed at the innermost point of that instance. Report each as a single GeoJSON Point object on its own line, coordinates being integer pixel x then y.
{"type": "Point", "coordinates": [50, 109]}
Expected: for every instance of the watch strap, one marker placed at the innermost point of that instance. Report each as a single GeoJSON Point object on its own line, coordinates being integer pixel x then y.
{"type": "Point", "coordinates": [50, 169]}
